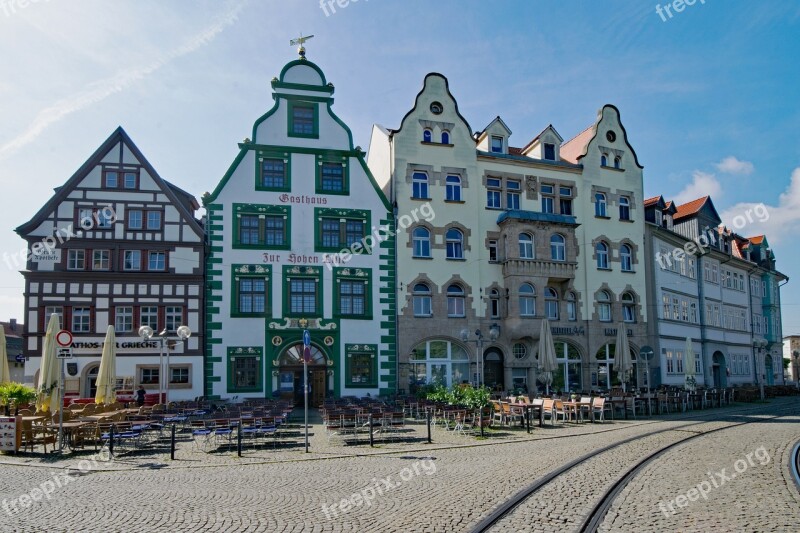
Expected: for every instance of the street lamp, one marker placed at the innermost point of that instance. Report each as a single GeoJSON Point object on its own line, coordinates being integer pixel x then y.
{"type": "Point", "coordinates": [146, 333]}
{"type": "Point", "coordinates": [494, 333]}
{"type": "Point", "coordinates": [759, 346]}
{"type": "Point", "coordinates": [796, 355]}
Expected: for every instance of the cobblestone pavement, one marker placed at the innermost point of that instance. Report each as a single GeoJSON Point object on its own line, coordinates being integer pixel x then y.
{"type": "Point", "coordinates": [403, 486]}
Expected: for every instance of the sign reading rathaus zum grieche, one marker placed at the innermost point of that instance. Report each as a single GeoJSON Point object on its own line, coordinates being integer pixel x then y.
{"type": "Point", "coordinates": [99, 344]}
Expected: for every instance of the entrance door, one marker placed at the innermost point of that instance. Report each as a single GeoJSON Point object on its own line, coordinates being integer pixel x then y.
{"type": "Point", "coordinates": [317, 387]}
{"type": "Point", "coordinates": [493, 369]}
{"type": "Point", "coordinates": [769, 377]}
{"type": "Point", "coordinates": [91, 382]}
{"type": "Point", "coordinates": [719, 370]}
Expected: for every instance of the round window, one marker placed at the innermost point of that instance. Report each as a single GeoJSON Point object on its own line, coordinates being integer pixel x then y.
{"type": "Point", "coordinates": [436, 108]}
{"type": "Point", "coordinates": [520, 351]}
{"type": "Point", "coordinates": [611, 136]}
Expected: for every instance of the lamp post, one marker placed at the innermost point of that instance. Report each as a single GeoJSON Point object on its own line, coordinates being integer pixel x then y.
{"type": "Point", "coordinates": [494, 333]}
{"type": "Point", "coordinates": [759, 346]}
{"type": "Point", "coordinates": [796, 355]}
{"type": "Point", "coordinates": [146, 333]}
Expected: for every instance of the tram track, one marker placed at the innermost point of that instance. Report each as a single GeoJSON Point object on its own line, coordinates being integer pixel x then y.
{"type": "Point", "coordinates": [794, 464]}
{"type": "Point", "coordinates": [557, 480]}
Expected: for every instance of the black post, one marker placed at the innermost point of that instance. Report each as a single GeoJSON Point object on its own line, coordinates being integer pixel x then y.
{"type": "Point", "coordinates": [428, 416]}
{"type": "Point", "coordinates": [480, 419]}
{"type": "Point", "coordinates": [172, 443]}
{"type": "Point", "coordinates": [111, 440]}
{"type": "Point", "coordinates": [528, 417]}
{"type": "Point", "coordinates": [239, 440]}
{"type": "Point", "coordinates": [371, 441]}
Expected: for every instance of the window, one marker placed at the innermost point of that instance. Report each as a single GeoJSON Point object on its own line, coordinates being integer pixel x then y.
{"type": "Point", "coordinates": [617, 162]}
{"type": "Point", "coordinates": [427, 136]}
{"type": "Point", "coordinates": [273, 173]}
{"type": "Point", "coordinates": [54, 310]}
{"type": "Point", "coordinates": [336, 233]}
{"type": "Point", "coordinates": [81, 319]}
{"type": "Point", "coordinates": [148, 376]}
{"type": "Point", "coordinates": [558, 249]}
{"type": "Point", "coordinates": [453, 189]}
{"type": "Point", "coordinates": [129, 180]}
{"type": "Point", "coordinates": [445, 137]}
{"type": "Point", "coordinates": [525, 246]}
{"type": "Point", "coordinates": [245, 369]}
{"type": "Point", "coordinates": [604, 160]}
{"type": "Point", "coordinates": [249, 229]}
{"type": "Point", "coordinates": [76, 259]}
{"type": "Point", "coordinates": [101, 260]}
{"type": "Point", "coordinates": [352, 297]}
{"type": "Point", "coordinates": [252, 295]}
{"type": "Point", "coordinates": [173, 315]}
{"type": "Point", "coordinates": [156, 261]}
{"type": "Point", "coordinates": [148, 316]}
{"type": "Point", "coordinates": [123, 319]}
{"type": "Point", "coordinates": [565, 200]}
{"type": "Point", "coordinates": [302, 296]}
{"type": "Point", "coordinates": [692, 271]}
{"type": "Point", "coordinates": [604, 306]}
{"type": "Point", "coordinates": [493, 193]}
{"type": "Point", "coordinates": [551, 303]}
{"type": "Point", "coordinates": [550, 151]}
{"type": "Point", "coordinates": [601, 250]}
{"type": "Point", "coordinates": [497, 144]}
{"type": "Point", "coordinates": [513, 189]}
{"type": "Point", "coordinates": [600, 205]}
{"type": "Point", "coordinates": [527, 300]}
{"type": "Point", "coordinates": [494, 303]}
{"type": "Point", "coordinates": [455, 301]}
{"type": "Point", "coordinates": [455, 244]}
{"type": "Point", "coordinates": [665, 313]}
{"type": "Point", "coordinates": [264, 231]}
{"type": "Point", "coordinates": [421, 242]}
{"type": "Point", "coordinates": [361, 369]}
{"type": "Point", "coordinates": [572, 313]}
{"type": "Point", "coordinates": [112, 179]}
{"type": "Point", "coordinates": [492, 250]}
{"type": "Point", "coordinates": [86, 218]}
{"type": "Point", "coordinates": [303, 121]}
{"type": "Point", "coordinates": [624, 208]}
{"type": "Point", "coordinates": [135, 219]}
{"type": "Point", "coordinates": [419, 186]}
{"type": "Point", "coordinates": [626, 258]}
{"type": "Point", "coordinates": [548, 200]}
{"type": "Point", "coordinates": [422, 300]}
{"type": "Point", "coordinates": [132, 260]}
{"type": "Point", "coordinates": [154, 220]}
{"type": "Point", "coordinates": [628, 308]}
{"type": "Point", "coordinates": [332, 177]}
{"type": "Point", "coordinates": [670, 361]}
{"type": "Point", "coordinates": [519, 350]}
{"type": "Point", "coordinates": [679, 362]}
{"type": "Point", "coordinates": [179, 375]}
{"type": "Point", "coordinates": [104, 218]}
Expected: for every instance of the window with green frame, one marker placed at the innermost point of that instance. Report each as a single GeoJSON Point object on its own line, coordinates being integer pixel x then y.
{"type": "Point", "coordinates": [303, 119]}
{"type": "Point", "coordinates": [352, 297]}
{"type": "Point", "coordinates": [361, 366]}
{"type": "Point", "coordinates": [302, 295]}
{"type": "Point", "coordinates": [245, 369]}
{"type": "Point", "coordinates": [250, 291]}
{"type": "Point", "coordinates": [337, 229]}
{"type": "Point", "coordinates": [261, 227]}
{"type": "Point", "coordinates": [333, 175]}
{"type": "Point", "coordinates": [273, 171]}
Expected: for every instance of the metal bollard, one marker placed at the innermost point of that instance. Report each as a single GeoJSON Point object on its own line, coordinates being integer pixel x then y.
{"type": "Point", "coordinates": [480, 420]}
{"type": "Point", "coordinates": [528, 418]}
{"type": "Point", "coordinates": [428, 416]}
{"type": "Point", "coordinates": [111, 441]}
{"type": "Point", "coordinates": [239, 440]}
{"type": "Point", "coordinates": [371, 440]}
{"type": "Point", "coordinates": [172, 443]}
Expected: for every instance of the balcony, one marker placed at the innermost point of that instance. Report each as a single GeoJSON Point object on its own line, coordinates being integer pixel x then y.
{"type": "Point", "coordinates": [554, 271]}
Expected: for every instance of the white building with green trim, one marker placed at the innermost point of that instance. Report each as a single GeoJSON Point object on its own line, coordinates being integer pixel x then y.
{"type": "Point", "coordinates": [300, 235]}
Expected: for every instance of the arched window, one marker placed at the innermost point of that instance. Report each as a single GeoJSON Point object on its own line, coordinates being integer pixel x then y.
{"type": "Point", "coordinates": [494, 303]}
{"type": "Point", "coordinates": [445, 137]}
{"type": "Point", "coordinates": [558, 249]}
{"type": "Point", "coordinates": [568, 376]}
{"type": "Point", "coordinates": [551, 303]}
{"type": "Point", "coordinates": [421, 240]}
{"type": "Point", "coordinates": [600, 205]}
{"type": "Point", "coordinates": [572, 311]}
{"type": "Point", "coordinates": [419, 185]}
{"type": "Point", "coordinates": [427, 136]}
{"type": "Point", "coordinates": [604, 306]}
{"type": "Point", "coordinates": [437, 361]}
{"type": "Point", "coordinates": [604, 160]}
{"type": "Point", "coordinates": [422, 300]}
{"type": "Point", "coordinates": [601, 251]}
{"type": "Point", "coordinates": [626, 258]}
{"type": "Point", "coordinates": [617, 162]}
{"type": "Point", "coordinates": [527, 300]}
{"type": "Point", "coordinates": [455, 244]}
{"type": "Point", "coordinates": [525, 246]}
{"type": "Point", "coordinates": [455, 301]}
{"type": "Point", "coordinates": [624, 208]}
{"type": "Point", "coordinates": [628, 307]}
{"type": "Point", "coordinates": [453, 189]}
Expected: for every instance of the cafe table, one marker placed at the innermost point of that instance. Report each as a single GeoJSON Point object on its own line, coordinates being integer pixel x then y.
{"type": "Point", "coordinates": [527, 408]}
{"type": "Point", "coordinates": [577, 408]}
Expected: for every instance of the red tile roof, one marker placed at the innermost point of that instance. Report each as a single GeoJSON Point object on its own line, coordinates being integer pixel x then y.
{"type": "Point", "coordinates": [576, 147]}
{"type": "Point", "coordinates": [690, 208]}
{"type": "Point", "coordinates": [651, 201]}
{"type": "Point", "coordinates": [17, 332]}
{"type": "Point", "coordinates": [514, 151]}
{"type": "Point", "coordinates": [756, 240]}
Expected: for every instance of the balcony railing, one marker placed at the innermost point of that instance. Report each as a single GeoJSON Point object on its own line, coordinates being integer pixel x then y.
{"type": "Point", "coordinates": [553, 270]}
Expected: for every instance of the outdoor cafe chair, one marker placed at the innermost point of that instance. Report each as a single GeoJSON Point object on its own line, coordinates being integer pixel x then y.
{"type": "Point", "coordinates": [548, 410]}
{"type": "Point", "coordinates": [599, 408]}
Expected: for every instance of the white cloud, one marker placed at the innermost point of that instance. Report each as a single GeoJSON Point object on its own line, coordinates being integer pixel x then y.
{"type": "Point", "coordinates": [703, 184]}
{"type": "Point", "coordinates": [732, 165]}
{"type": "Point", "coordinates": [776, 222]}
{"type": "Point", "coordinates": [102, 89]}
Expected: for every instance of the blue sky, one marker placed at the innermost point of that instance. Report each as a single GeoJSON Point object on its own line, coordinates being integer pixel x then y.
{"type": "Point", "coordinates": [708, 97]}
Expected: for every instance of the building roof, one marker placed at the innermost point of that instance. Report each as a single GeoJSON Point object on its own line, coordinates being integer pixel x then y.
{"type": "Point", "coordinates": [690, 208]}
{"type": "Point", "coordinates": [575, 148]}
{"type": "Point", "coordinates": [651, 201]}
{"type": "Point", "coordinates": [12, 330]}
{"type": "Point", "coordinates": [756, 240]}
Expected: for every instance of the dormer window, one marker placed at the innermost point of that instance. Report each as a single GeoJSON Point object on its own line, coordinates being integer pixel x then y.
{"type": "Point", "coordinates": [445, 137]}
{"type": "Point", "coordinates": [604, 160]}
{"type": "Point", "coordinates": [427, 136]}
{"type": "Point", "coordinates": [550, 151]}
{"type": "Point", "coordinates": [497, 144]}
{"type": "Point", "coordinates": [617, 162]}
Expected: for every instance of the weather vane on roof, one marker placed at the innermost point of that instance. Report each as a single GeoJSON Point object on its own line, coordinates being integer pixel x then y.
{"type": "Point", "coordinates": [300, 41]}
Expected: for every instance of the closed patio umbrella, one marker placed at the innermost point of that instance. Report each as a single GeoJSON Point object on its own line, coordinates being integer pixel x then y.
{"type": "Point", "coordinates": [5, 374]}
{"type": "Point", "coordinates": [50, 371]}
{"type": "Point", "coordinates": [689, 366]}
{"type": "Point", "coordinates": [622, 358]}
{"type": "Point", "coordinates": [547, 355]}
{"type": "Point", "coordinates": [107, 374]}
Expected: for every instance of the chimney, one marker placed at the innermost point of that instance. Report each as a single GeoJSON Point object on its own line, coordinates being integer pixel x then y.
{"type": "Point", "coordinates": [13, 323]}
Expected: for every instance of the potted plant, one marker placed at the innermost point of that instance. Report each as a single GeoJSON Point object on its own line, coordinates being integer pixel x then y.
{"type": "Point", "coordinates": [16, 394]}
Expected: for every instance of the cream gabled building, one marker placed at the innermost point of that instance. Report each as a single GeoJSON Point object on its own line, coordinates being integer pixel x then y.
{"type": "Point", "coordinates": [553, 229]}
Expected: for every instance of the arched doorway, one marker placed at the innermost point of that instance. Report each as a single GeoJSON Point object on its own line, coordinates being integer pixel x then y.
{"type": "Point", "coordinates": [769, 373]}
{"type": "Point", "coordinates": [290, 375]}
{"type": "Point", "coordinates": [607, 376]}
{"type": "Point", "coordinates": [90, 381]}
{"type": "Point", "coordinates": [719, 370]}
{"type": "Point", "coordinates": [493, 369]}
{"type": "Point", "coordinates": [568, 376]}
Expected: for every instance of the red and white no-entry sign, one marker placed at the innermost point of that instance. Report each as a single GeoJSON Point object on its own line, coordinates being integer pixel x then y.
{"type": "Point", "coordinates": [64, 338]}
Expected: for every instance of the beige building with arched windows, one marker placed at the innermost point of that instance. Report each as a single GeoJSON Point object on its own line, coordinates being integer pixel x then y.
{"type": "Point", "coordinates": [552, 230]}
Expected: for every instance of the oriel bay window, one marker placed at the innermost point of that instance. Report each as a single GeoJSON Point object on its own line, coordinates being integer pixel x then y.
{"type": "Point", "coordinates": [245, 369]}
{"type": "Point", "coordinates": [250, 286]}
{"type": "Point", "coordinates": [337, 229]}
{"type": "Point", "coordinates": [261, 226]}
{"type": "Point", "coordinates": [361, 365]}
{"type": "Point", "coordinates": [352, 293]}
{"type": "Point", "coordinates": [332, 175]}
